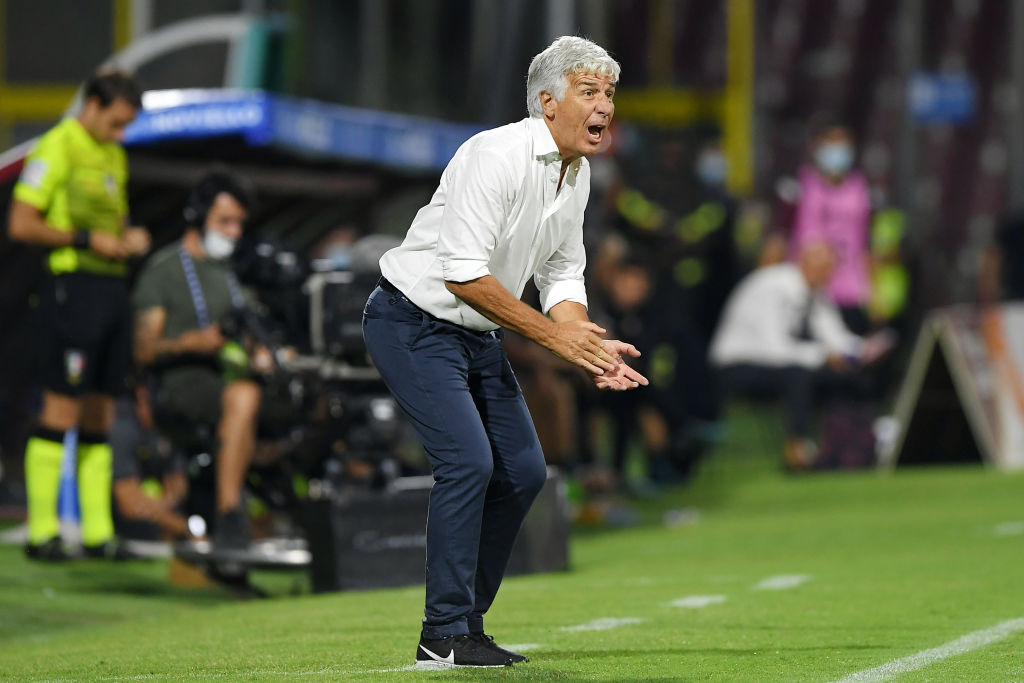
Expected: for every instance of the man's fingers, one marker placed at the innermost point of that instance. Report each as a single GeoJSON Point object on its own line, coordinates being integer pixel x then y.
{"type": "Point", "coordinates": [593, 327]}
{"type": "Point", "coordinates": [602, 360]}
{"type": "Point", "coordinates": [620, 347]}
{"type": "Point", "coordinates": [614, 384]}
{"type": "Point", "coordinates": [598, 350]}
{"type": "Point", "coordinates": [631, 350]}
{"type": "Point", "coordinates": [635, 376]}
{"type": "Point", "coordinates": [589, 367]}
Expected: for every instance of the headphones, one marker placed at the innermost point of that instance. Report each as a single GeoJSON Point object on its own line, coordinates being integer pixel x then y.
{"type": "Point", "coordinates": [202, 196]}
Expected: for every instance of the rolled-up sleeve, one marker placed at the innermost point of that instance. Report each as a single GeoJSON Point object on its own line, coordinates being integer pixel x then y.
{"type": "Point", "coordinates": [474, 213]}
{"type": "Point", "coordinates": [561, 277]}
{"type": "Point", "coordinates": [832, 331]}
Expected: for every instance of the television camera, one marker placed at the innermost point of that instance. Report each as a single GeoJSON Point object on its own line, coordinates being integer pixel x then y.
{"type": "Point", "coordinates": [327, 421]}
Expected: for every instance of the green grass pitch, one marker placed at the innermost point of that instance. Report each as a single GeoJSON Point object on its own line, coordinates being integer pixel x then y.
{"type": "Point", "coordinates": [885, 566]}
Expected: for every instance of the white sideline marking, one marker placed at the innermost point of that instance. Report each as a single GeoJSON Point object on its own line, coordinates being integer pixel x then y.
{"type": "Point", "coordinates": [782, 582]}
{"type": "Point", "coordinates": [1009, 529]}
{"type": "Point", "coordinates": [522, 647]}
{"type": "Point", "coordinates": [697, 601]}
{"type": "Point", "coordinates": [603, 624]}
{"type": "Point", "coordinates": [972, 641]}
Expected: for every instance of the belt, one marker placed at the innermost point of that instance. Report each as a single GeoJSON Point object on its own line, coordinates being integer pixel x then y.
{"type": "Point", "coordinates": [386, 285]}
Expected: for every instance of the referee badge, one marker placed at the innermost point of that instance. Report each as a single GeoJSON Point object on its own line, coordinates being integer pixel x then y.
{"type": "Point", "coordinates": [74, 365]}
{"type": "Point", "coordinates": [34, 173]}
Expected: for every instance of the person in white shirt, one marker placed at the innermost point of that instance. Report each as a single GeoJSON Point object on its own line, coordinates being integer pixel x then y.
{"type": "Point", "coordinates": [509, 207]}
{"type": "Point", "coordinates": [780, 335]}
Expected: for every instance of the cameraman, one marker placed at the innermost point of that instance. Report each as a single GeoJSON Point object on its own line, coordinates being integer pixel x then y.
{"type": "Point", "coordinates": [202, 377]}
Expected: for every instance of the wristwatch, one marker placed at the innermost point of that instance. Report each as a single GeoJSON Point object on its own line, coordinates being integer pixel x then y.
{"type": "Point", "coordinates": [81, 239]}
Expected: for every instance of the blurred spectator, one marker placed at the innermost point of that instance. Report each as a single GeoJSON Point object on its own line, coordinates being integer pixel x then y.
{"type": "Point", "coordinates": [835, 207]}
{"type": "Point", "coordinates": [670, 416]}
{"type": "Point", "coordinates": [334, 250]}
{"type": "Point", "coordinates": [183, 295]}
{"type": "Point", "coordinates": [687, 222]}
{"type": "Point", "coordinates": [550, 394]}
{"type": "Point", "coordinates": [999, 278]}
{"type": "Point", "coordinates": [890, 276]}
{"type": "Point", "coordinates": [72, 199]}
{"type": "Point", "coordinates": [780, 337]}
{"type": "Point", "coordinates": [709, 261]}
{"type": "Point", "coordinates": [150, 483]}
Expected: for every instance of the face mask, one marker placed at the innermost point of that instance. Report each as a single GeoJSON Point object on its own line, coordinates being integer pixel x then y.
{"type": "Point", "coordinates": [834, 158]}
{"type": "Point", "coordinates": [712, 168]}
{"type": "Point", "coordinates": [340, 257]}
{"type": "Point", "coordinates": [217, 246]}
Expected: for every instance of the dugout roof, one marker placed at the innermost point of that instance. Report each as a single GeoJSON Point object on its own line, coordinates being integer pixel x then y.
{"type": "Point", "coordinates": [314, 166]}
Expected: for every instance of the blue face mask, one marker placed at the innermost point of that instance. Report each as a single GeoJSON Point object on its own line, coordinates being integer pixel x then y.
{"type": "Point", "coordinates": [712, 168]}
{"type": "Point", "coordinates": [834, 158]}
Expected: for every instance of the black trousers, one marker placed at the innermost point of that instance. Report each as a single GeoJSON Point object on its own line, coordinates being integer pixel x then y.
{"type": "Point", "coordinates": [459, 392]}
{"type": "Point", "coordinates": [800, 389]}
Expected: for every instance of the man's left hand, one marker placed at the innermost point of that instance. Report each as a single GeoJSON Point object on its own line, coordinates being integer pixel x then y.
{"type": "Point", "coordinates": [621, 377]}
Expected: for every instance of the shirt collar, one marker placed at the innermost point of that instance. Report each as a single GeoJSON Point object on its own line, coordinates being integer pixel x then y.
{"type": "Point", "coordinates": [545, 149]}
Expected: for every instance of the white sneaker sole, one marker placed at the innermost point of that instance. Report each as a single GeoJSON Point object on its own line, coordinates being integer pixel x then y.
{"type": "Point", "coordinates": [430, 665]}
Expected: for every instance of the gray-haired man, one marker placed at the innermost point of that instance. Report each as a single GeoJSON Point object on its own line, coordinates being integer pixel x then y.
{"type": "Point", "coordinates": [509, 207]}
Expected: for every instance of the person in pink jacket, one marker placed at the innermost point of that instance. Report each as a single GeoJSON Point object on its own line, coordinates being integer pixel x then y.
{"type": "Point", "coordinates": [835, 208]}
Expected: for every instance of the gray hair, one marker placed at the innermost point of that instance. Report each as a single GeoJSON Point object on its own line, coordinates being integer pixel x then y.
{"type": "Point", "coordinates": [567, 55]}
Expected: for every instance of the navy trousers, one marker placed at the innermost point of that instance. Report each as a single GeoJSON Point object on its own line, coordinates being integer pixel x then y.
{"type": "Point", "coordinates": [458, 390]}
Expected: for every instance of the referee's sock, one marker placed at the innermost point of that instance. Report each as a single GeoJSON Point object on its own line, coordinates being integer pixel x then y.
{"type": "Point", "coordinates": [95, 467]}
{"type": "Point", "coordinates": [44, 454]}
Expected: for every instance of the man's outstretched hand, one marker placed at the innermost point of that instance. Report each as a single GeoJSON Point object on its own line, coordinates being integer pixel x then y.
{"type": "Point", "coordinates": [621, 377]}
{"type": "Point", "coordinates": [577, 342]}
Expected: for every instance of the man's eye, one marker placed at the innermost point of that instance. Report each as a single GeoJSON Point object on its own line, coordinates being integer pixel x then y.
{"type": "Point", "coordinates": [588, 93]}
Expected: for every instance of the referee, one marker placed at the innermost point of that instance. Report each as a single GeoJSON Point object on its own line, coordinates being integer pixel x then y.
{"type": "Point", "coordinates": [72, 199]}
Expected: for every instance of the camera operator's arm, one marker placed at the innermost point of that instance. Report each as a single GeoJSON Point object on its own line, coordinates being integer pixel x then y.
{"type": "Point", "coordinates": [134, 504]}
{"type": "Point", "coordinates": [150, 344]}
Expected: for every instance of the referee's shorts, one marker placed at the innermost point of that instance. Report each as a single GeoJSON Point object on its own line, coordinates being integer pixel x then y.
{"type": "Point", "coordinates": [85, 340]}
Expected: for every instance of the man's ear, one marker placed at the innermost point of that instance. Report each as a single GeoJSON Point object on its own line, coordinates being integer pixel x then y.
{"type": "Point", "coordinates": [90, 107]}
{"type": "Point", "coordinates": [548, 104]}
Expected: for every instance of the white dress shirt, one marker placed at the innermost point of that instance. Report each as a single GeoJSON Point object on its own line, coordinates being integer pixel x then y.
{"type": "Point", "coordinates": [762, 319]}
{"type": "Point", "coordinates": [497, 211]}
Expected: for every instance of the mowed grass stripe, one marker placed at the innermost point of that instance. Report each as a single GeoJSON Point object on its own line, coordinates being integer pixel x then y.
{"type": "Point", "coordinates": [900, 563]}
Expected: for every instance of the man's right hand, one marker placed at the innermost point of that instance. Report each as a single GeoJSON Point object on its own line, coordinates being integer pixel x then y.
{"type": "Point", "coordinates": [577, 342]}
{"type": "Point", "coordinates": [838, 362]}
{"type": "Point", "coordinates": [208, 340]}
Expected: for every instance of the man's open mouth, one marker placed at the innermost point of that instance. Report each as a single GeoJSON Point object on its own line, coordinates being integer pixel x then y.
{"type": "Point", "coordinates": [595, 132]}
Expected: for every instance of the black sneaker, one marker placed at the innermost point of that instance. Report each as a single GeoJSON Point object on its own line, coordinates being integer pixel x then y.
{"type": "Point", "coordinates": [47, 551]}
{"type": "Point", "coordinates": [231, 530]}
{"type": "Point", "coordinates": [488, 641]}
{"type": "Point", "coordinates": [235, 582]}
{"type": "Point", "coordinates": [457, 651]}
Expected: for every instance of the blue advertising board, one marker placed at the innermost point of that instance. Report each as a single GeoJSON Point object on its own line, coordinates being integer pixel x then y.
{"type": "Point", "coordinates": [302, 126]}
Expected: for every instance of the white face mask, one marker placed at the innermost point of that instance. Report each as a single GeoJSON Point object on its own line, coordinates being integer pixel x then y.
{"type": "Point", "coordinates": [834, 158]}
{"type": "Point", "coordinates": [217, 245]}
{"type": "Point", "coordinates": [712, 168]}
